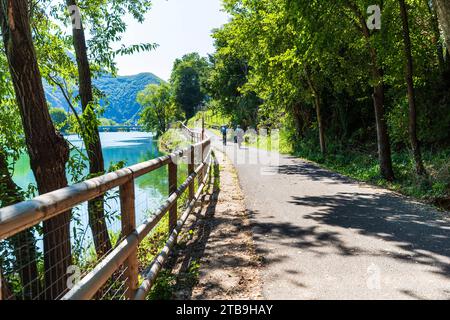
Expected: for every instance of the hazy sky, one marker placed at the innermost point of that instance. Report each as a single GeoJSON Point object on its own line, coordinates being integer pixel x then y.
{"type": "Point", "coordinates": [179, 27]}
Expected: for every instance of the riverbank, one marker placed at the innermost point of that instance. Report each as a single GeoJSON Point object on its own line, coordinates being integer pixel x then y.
{"type": "Point", "coordinates": [171, 140]}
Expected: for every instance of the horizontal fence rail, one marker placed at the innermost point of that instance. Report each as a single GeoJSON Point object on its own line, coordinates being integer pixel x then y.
{"type": "Point", "coordinates": [119, 267]}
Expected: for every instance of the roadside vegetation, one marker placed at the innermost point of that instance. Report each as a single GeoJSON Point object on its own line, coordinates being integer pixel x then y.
{"type": "Point", "coordinates": [171, 140]}
{"type": "Point", "coordinates": [370, 103]}
{"type": "Point", "coordinates": [151, 246]}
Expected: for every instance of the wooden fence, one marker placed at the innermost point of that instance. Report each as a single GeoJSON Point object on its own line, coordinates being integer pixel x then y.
{"type": "Point", "coordinates": [19, 217]}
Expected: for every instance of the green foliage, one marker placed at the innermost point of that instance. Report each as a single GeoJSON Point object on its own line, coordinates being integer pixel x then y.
{"type": "Point", "coordinates": [164, 286]}
{"type": "Point", "coordinates": [60, 118]}
{"type": "Point", "coordinates": [228, 76]}
{"type": "Point", "coordinates": [11, 132]}
{"type": "Point", "coordinates": [188, 81]}
{"type": "Point", "coordinates": [153, 243]}
{"type": "Point", "coordinates": [159, 109]}
{"type": "Point", "coordinates": [107, 122]}
{"type": "Point", "coordinates": [279, 142]}
{"type": "Point", "coordinates": [213, 119]}
{"type": "Point", "coordinates": [104, 21]}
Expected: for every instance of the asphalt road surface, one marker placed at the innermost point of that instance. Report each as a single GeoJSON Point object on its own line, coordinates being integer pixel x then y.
{"type": "Point", "coordinates": [324, 236]}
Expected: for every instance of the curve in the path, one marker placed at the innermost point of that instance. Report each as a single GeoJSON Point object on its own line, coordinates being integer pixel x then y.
{"type": "Point", "coordinates": [324, 236]}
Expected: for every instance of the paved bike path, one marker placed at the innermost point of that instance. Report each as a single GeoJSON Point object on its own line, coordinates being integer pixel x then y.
{"type": "Point", "coordinates": [324, 236]}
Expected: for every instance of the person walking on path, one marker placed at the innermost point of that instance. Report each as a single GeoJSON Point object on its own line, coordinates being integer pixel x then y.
{"type": "Point", "coordinates": [224, 135]}
{"type": "Point", "coordinates": [239, 136]}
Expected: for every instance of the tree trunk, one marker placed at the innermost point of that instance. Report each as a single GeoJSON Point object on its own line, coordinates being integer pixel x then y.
{"type": "Point", "coordinates": [384, 147]}
{"type": "Point", "coordinates": [437, 33]}
{"type": "Point", "coordinates": [24, 243]}
{"type": "Point", "coordinates": [5, 291]}
{"type": "Point", "coordinates": [298, 120]}
{"type": "Point", "coordinates": [411, 92]}
{"type": "Point", "coordinates": [47, 149]}
{"type": "Point", "coordinates": [91, 138]}
{"type": "Point", "coordinates": [443, 11]}
{"type": "Point", "coordinates": [317, 105]}
{"type": "Point", "coordinates": [321, 128]}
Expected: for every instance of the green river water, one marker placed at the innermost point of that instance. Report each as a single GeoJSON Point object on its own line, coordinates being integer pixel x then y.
{"type": "Point", "coordinates": [132, 147]}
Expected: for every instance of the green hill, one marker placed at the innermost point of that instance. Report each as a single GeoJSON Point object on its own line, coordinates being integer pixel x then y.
{"type": "Point", "coordinates": [121, 93]}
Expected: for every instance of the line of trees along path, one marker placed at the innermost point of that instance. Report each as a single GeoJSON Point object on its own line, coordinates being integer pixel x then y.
{"type": "Point", "coordinates": [344, 80]}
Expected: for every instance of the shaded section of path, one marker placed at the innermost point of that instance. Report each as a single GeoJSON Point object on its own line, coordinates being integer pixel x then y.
{"type": "Point", "coordinates": [324, 236]}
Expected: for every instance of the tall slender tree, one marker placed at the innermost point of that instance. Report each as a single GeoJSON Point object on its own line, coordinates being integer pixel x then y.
{"type": "Point", "coordinates": [443, 10]}
{"type": "Point", "coordinates": [431, 5]}
{"type": "Point", "coordinates": [378, 96]}
{"type": "Point", "coordinates": [409, 71]}
{"type": "Point", "coordinates": [90, 134]}
{"type": "Point", "coordinates": [40, 136]}
{"type": "Point", "coordinates": [105, 24]}
{"type": "Point", "coordinates": [317, 103]}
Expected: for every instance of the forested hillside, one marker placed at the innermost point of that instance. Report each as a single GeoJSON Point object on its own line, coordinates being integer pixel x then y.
{"type": "Point", "coordinates": [120, 92]}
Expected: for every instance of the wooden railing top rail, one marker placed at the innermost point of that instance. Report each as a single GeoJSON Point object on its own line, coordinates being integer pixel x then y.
{"type": "Point", "coordinates": [18, 217]}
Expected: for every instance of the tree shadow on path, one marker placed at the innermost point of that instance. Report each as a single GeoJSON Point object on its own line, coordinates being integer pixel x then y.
{"type": "Point", "coordinates": [420, 232]}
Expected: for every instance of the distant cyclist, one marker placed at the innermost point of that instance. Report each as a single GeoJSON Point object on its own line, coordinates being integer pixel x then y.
{"type": "Point", "coordinates": [224, 134]}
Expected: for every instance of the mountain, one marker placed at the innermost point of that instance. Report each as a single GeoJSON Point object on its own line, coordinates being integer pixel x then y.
{"type": "Point", "coordinates": [121, 93]}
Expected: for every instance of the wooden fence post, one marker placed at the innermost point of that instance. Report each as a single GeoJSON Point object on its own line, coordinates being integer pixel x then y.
{"type": "Point", "coordinates": [203, 126]}
{"type": "Point", "coordinates": [200, 174]}
{"type": "Point", "coordinates": [205, 155]}
{"type": "Point", "coordinates": [128, 210]}
{"type": "Point", "coordinates": [191, 169]}
{"type": "Point", "coordinates": [173, 215]}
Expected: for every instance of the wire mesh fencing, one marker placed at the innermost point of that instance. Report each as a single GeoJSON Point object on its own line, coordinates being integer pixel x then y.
{"type": "Point", "coordinates": [43, 261]}
{"type": "Point", "coordinates": [48, 259]}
